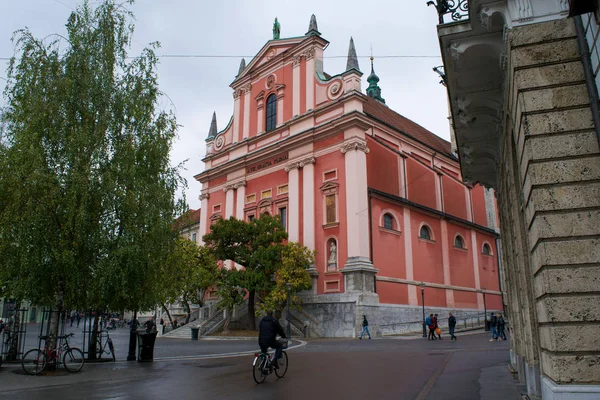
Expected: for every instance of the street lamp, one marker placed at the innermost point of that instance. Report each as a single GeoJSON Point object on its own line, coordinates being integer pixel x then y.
{"type": "Point", "coordinates": [132, 338]}
{"type": "Point", "coordinates": [288, 287]}
{"type": "Point", "coordinates": [423, 303]}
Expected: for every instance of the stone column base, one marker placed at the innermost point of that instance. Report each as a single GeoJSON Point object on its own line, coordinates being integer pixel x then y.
{"type": "Point", "coordinates": [359, 275]}
{"type": "Point", "coordinates": [553, 391]}
{"type": "Point", "coordinates": [314, 274]}
{"type": "Point", "coordinates": [532, 377]}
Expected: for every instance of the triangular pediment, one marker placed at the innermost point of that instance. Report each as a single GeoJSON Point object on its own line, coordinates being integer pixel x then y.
{"type": "Point", "coordinates": [329, 186]}
{"type": "Point", "coordinates": [270, 50]}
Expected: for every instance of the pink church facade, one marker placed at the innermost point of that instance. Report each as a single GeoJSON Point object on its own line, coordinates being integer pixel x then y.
{"type": "Point", "coordinates": [379, 197]}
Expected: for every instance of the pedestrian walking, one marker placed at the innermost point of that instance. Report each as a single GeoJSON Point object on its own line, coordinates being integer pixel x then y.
{"type": "Point", "coordinates": [72, 318]}
{"type": "Point", "coordinates": [494, 326]}
{"type": "Point", "coordinates": [501, 325]}
{"type": "Point", "coordinates": [451, 326]}
{"type": "Point", "coordinates": [78, 318]}
{"type": "Point", "coordinates": [438, 330]}
{"type": "Point", "coordinates": [431, 326]}
{"type": "Point", "coordinates": [365, 328]}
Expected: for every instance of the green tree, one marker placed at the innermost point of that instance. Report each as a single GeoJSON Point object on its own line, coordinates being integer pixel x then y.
{"type": "Point", "coordinates": [230, 291]}
{"type": "Point", "coordinates": [290, 278]}
{"type": "Point", "coordinates": [87, 193]}
{"type": "Point", "coordinates": [191, 270]}
{"type": "Point", "coordinates": [256, 245]}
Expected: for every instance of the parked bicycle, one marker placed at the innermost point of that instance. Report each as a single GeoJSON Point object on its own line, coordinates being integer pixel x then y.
{"type": "Point", "coordinates": [35, 360]}
{"type": "Point", "coordinates": [263, 365]}
{"type": "Point", "coordinates": [105, 341]}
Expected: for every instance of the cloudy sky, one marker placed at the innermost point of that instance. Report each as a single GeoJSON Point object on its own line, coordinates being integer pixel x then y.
{"type": "Point", "coordinates": [401, 34]}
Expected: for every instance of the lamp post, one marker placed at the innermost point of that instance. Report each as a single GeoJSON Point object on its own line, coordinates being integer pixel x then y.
{"type": "Point", "coordinates": [422, 285]}
{"type": "Point", "coordinates": [288, 286]}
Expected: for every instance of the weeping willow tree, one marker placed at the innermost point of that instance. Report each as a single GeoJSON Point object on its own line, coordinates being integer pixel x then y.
{"type": "Point", "coordinates": [87, 193]}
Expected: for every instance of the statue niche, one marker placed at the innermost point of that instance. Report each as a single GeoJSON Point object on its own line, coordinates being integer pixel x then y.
{"type": "Point", "coordinates": [332, 259]}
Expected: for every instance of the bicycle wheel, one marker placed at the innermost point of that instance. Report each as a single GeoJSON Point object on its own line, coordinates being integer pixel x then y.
{"type": "Point", "coordinates": [283, 365]}
{"type": "Point", "coordinates": [112, 349]}
{"type": "Point", "coordinates": [34, 362]}
{"type": "Point", "coordinates": [73, 360]}
{"type": "Point", "coordinates": [257, 369]}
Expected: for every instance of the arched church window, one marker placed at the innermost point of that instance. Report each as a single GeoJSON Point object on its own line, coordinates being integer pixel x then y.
{"type": "Point", "coordinates": [388, 221]}
{"type": "Point", "coordinates": [459, 242]}
{"type": "Point", "coordinates": [271, 112]}
{"type": "Point", "coordinates": [487, 250]}
{"type": "Point", "coordinates": [425, 233]}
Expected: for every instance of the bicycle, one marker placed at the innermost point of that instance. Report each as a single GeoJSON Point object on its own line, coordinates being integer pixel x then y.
{"type": "Point", "coordinates": [102, 346]}
{"type": "Point", "coordinates": [263, 365]}
{"type": "Point", "coordinates": [35, 361]}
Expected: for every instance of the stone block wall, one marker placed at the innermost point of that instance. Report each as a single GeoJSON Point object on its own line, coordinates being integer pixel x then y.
{"type": "Point", "coordinates": [549, 197]}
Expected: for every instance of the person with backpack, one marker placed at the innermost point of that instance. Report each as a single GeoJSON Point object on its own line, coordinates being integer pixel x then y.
{"type": "Point", "coordinates": [365, 328]}
{"type": "Point", "coordinates": [451, 326]}
{"type": "Point", "coordinates": [438, 330]}
{"type": "Point", "coordinates": [494, 326]}
{"type": "Point", "coordinates": [431, 326]}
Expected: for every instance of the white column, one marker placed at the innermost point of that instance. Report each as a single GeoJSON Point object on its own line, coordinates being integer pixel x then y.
{"type": "Point", "coordinates": [241, 200]}
{"type": "Point", "coordinates": [236, 116]}
{"type": "Point", "coordinates": [228, 201]}
{"type": "Point", "coordinates": [408, 259]}
{"type": "Point", "coordinates": [261, 118]}
{"type": "Point", "coordinates": [308, 203]}
{"type": "Point", "coordinates": [203, 216]}
{"type": "Point", "coordinates": [357, 212]}
{"type": "Point", "coordinates": [475, 253]}
{"type": "Point", "coordinates": [246, 125]}
{"type": "Point", "coordinates": [402, 177]}
{"type": "Point", "coordinates": [296, 87]}
{"type": "Point", "coordinates": [446, 264]}
{"type": "Point", "coordinates": [310, 79]}
{"type": "Point", "coordinates": [280, 98]}
{"type": "Point", "coordinates": [293, 203]}
{"type": "Point", "coordinates": [469, 201]}
{"type": "Point", "coordinates": [438, 191]}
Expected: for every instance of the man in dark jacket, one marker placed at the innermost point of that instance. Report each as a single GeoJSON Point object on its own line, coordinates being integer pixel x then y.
{"type": "Point", "coordinates": [451, 326]}
{"type": "Point", "coordinates": [494, 326]}
{"type": "Point", "coordinates": [268, 330]}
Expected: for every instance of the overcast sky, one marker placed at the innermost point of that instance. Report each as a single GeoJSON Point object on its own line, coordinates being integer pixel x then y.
{"type": "Point", "coordinates": [234, 28]}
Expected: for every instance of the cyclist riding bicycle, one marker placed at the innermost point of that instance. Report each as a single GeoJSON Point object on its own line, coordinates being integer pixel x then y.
{"type": "Point", "coordinates": [269, 328]}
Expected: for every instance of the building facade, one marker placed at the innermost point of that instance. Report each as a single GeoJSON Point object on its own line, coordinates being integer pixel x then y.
{"type": "Point", "coordinates": [522, 77]}
{"type": "Point", "coordinates": [380, 198]}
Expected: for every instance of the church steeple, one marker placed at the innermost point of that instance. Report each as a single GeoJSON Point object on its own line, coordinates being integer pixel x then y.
{"type": "Point", "coordinates": [312, 27]}
{"type": "Point", "coordinates": [212, 132]}
{"type": "Point", "coordinates": [242, 67]}
{"type": "Point", "coordinates": [374, 91]}
{"type": "Point", "coordinates": [352, 62]}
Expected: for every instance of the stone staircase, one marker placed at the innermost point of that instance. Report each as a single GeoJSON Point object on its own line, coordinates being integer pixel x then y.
{"type": "Point", "coordinates": [207, 327]}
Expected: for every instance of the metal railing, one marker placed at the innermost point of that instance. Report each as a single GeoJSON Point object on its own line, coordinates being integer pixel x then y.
{"type": "Point", "coordinates": [463, 321]}
{"type": "Point", "coordinates": [457, 9]}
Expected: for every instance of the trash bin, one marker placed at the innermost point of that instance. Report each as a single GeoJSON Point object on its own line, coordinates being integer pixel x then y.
{"type": "Point", "coordinates": [146, 346]}
{"type": "Point", "coordinates": [195, 333]}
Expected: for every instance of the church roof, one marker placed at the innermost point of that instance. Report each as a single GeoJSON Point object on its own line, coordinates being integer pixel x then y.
{"type": "Point", "coordinates": [387, 116]}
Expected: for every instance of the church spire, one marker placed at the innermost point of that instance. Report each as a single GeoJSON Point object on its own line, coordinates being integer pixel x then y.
{"type": "Point", "coordinates": [212, 132]}
{"type": "Point", "coordinates": [352, 62]}
{"type": "Point", "coordinates": [374, 91]}
{"type": "Point", "coordinates": [312, 27]}
{"type": "Point", "coordinates": [242, 67]}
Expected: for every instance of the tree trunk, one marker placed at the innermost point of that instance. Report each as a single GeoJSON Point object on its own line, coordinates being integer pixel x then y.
{"type": "Point", "coordinates": [251, 317]}
{"type": "Point", "coordinates": [188, 309]}
{"type": "Point", "coordinates": [164, 306]}
{"type": "Point", "coordinates": [53, 324]}
{"type": "Point", "coordinates": [227, 320]}
{"type": "Point", "coordinates": [93, 346]}
{"type": "Point", "coordinates": [12, 330]}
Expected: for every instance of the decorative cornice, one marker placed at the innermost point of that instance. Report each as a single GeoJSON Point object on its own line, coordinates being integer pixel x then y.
{"type": "Point", "coordinates": [310, 53]}
{"type": "Point", "coordinates": [228, 187]}
{"type": "Point", "coordinates": [239, 184]}
{"type": "Point", "coordinates": [237, 93]}
{"type": "Point", "coordinates": [354, 144]}
{"type": "Point", "coordinates": [234, 185]}
{"type": "Point", "coordinates": [296, 60]}
{"type": "Point", "coordinates": [247, 88]}
{"type": "Point", "coordinates": [204, 196]}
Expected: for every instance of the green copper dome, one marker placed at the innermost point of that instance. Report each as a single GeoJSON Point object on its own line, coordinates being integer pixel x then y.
{"type": "Point", "coordinates": [374, 91]}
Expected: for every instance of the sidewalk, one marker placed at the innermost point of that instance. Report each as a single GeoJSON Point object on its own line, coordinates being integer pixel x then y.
{"type": "Point", "coordinates": [445, 334]}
